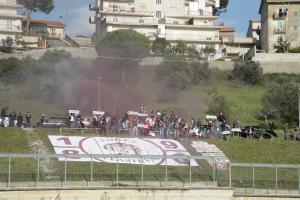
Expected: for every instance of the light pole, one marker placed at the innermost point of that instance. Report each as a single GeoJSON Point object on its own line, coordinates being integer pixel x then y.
{"type": "Point", "coordinates": [99, 93]}
{"type": "Point", "coordinates": [299, 107]}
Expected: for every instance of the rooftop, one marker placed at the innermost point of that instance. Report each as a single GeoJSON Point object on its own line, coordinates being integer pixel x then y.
{"type": "Point", "coordinates": [227, 29]}
{"type": "Point", "coordinates": [47, 23]}
{"type": "Point", "coordinates": [277, 1]}
{"type": "Point", "coordinates": [254, 21]}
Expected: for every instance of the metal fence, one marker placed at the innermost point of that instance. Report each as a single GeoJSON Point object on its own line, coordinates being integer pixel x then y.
{"type": "Point", "coordinates": [65, 171]}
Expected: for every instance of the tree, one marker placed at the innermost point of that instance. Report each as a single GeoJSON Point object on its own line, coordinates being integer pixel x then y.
{"type": "Point", "coordinates": [249, 73]}
{"type": "Point", "coordinates": [123, 43]}
{"type": "Point", "coordinates": [283, 47]}
{"type": "Point", "coordinates": [192, 52]}
{"type": "Point", "coordinates": [18, 39]}
{"type": "Point", "coordinates": [160, 45]}
{"type": "Point", "coordinates": [45, 6]}
{"type": "Point", "coordinates": [207, 51]}
{"type": "Point", "coordinates": [176, 74]}
{"type": "Point", "coordinates": [224, 3]}
{"type": "Point", "coordinates": [8, 42]}
{"type": "Point", "coordinates": [180, 48]}
{"type": "Point", "coordinates": [219, 104]}
{"type": "Point", "coordinates": [281, 101]}
{"type": "Point", "coordinates": [222, 8]}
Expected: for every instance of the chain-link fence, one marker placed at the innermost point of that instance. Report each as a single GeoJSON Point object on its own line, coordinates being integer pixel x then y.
{"type": "Point", "coordinates": [61, 171]}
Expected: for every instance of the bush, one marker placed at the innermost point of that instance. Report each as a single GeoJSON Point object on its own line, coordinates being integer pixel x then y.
{"type": "Point", "coordinates": [176, 73]}
{"type": "Point", "coordinates": [281, 101]}
{"type": "Point", "coordinates": [124, 43]}
{"type": "Point", "coordinates": [55, 56]}
{"type": "Point", "coordinates": [294, 50]}
{"type": "Point", "coordinates": [219, 104]}
{"type": "Point", "coordinates": [249, 73]}
{"type": "Point", "coordinates": [6, 49]}
{"type": "Point", "coordinates": [161, 45]}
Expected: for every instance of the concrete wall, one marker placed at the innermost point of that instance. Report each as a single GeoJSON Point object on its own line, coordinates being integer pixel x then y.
{"type": "Point", "coordinates": [271, 63]}
{"type": "Point", "coordinates": [122, 194]}
{"type": "Point", "coordinates": [279, 63]}
{"type": "Point", "coordinates": [265, 198]}
{"type": "Point", "coordinates": [86, 53]}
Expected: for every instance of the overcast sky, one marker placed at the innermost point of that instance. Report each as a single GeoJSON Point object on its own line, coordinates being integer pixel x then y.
{"type": "Point", "coordinates": [238, 14]}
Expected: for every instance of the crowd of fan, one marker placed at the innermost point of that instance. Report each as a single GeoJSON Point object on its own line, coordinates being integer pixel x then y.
{"type": "Point", "coordinates": [173, 125]}
{"type": "Point", "coordinates": [145, 123]}
{"type": "Point", "coordinates": [164, 124]}
{"type": "Point", "coordinates": [12, 119]}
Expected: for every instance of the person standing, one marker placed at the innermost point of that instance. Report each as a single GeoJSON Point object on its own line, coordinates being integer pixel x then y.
{"type": "Point", "coordinates": [28, 120]}
{"type": "Point", "coordinates": [20, 120]}
{"type": "Point", "coordinates": [42, 120]}
{"type": "Point", "coordinates": [14, 118]}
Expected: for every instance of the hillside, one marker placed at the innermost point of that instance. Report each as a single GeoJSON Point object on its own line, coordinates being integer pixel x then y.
{"type": "Point", "coordinates": [237, 150]}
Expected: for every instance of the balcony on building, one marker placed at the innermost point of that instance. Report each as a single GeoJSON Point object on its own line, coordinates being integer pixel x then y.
{"type": "Point", "coordinates": [280, 14]}
{"type": "Point", "coordinates": [279, 30]}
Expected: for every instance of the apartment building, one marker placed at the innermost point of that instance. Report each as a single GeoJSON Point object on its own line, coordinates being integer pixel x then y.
{"type": "Point", "coordinates": [235, 47]}
{"type": "Point", "coordinates": [254, 30]}
{"type": "Point", "coordinates": [280, 24]}
{"type": "Point", "coordinates": [10, 21]}
{"type": "Point", "coordinates": [190, 21]}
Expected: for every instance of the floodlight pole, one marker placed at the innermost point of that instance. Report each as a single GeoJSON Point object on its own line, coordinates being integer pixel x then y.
{"type": "Point", "coordinates": [99, 93]}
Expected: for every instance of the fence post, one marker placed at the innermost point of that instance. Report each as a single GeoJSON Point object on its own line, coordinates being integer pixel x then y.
{"type": "Point", "coordinates": [92, 169]}
{"type": "Point", "coordinates": [253, 179]}
{"type": "Point", "coordinates": [117, 173]}
{"type": "Point", "coordinates": [299, 178]}
{"type": "Point", "coordinates": [214, 172]}
{"type": "Point", "coordinates": [230, 178]}
{"type": "Point", "coordinates": [65, 169]}
{"type": "Point", "coordinates": [9, 170]}
{"type": "Point", "coordinates": [276, 177]}
{"type": "Point", "coordinates": [166, 178]}
{"type": "Point", "coordinates": [142, 171]}
{"type": "Point", "coordinates": [38, 169]}
{"type": "Point", "coordinates": [190, 172]}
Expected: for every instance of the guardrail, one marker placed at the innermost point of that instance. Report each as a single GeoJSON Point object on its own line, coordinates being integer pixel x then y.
{"type": "Point", "coordinates": [61, 171]}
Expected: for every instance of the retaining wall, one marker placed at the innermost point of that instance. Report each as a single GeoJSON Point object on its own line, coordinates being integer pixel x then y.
{"type": "Point", "coordinates": [122, 194]}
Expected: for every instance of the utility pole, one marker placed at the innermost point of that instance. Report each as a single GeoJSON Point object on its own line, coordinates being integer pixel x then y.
{"type": "Point", "coordinates": [99, 94]}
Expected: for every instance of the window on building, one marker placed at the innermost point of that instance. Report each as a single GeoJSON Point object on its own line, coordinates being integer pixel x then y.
{"type": "Point", "coordinates": [201, 12]}
{"type": "Point", "coordinates": [173, 8]}
{"type": "Point", "coordinates": [280, 25]}
{"type": "Point", "coordinates": [143, 6]}
{"type": "Point", "coordinates": [115, 19]}
{"type": "Point", "coordinates": [280, 39]}
{"type": "Point", "coordinates": [158, 14]}
{"type": "Point", "coordinates": [141, 21]}
{"type": "Point", "coordinates": [281, 11]}
{"type": "Point", "coordinates": [158, 1]}
{"type": "Point", "coordinates": [9, 25]}
{"type": "Point", "coordinates": [296, 13]}
{"type": "Point", "coordinates": [115, 7]}
{"type": "Point", "coordinates": [296, 28]}
{"type": "Point", "coordinates": [175, 22]}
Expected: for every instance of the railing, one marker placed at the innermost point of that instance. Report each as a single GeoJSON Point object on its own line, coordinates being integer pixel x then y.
{"type": "Point", "coordinates": [66, 171]}
{"type": "Point", "coordinates": [280, 15]}
{"type": "Point", "coordinates": [279, 30]}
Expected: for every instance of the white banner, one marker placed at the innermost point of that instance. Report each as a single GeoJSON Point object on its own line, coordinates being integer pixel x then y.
{"type": "Point", "coordinates": [75, 145]}
{"type": "Point", "coordinates": [213, 151]}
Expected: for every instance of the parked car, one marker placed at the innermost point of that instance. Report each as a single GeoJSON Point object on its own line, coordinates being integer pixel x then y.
{"type": "Point", "coordinates": [53, 122]}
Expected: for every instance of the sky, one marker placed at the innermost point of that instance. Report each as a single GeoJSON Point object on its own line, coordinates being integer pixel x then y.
{"type": "Point", "coordinates": [76, 13]}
